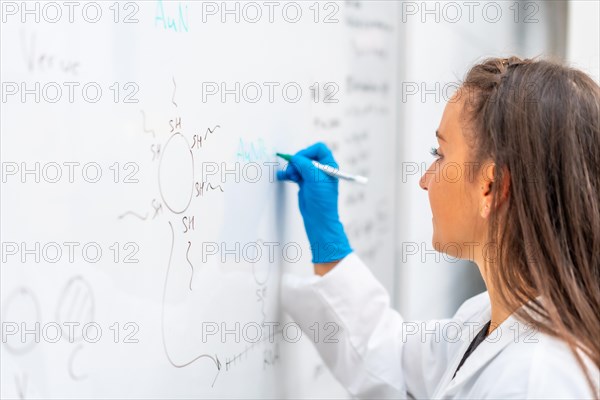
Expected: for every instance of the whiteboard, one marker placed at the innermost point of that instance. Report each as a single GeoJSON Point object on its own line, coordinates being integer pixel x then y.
{"type": "Point", "coordinates": [138, 199]}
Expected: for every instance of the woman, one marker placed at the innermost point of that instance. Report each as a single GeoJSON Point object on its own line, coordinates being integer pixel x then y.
{"type": "Point", "coordinates": [526, 210]}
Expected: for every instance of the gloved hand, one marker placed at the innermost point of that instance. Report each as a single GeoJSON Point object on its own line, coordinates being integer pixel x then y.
{"type": "Point", "coordinates": [318, 200]}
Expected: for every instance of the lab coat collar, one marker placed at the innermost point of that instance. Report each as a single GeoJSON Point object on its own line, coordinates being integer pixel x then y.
{"type": "Point", "coordinates": [510, 331]}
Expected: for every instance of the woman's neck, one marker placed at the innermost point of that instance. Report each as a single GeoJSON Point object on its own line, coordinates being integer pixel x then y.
{"type": "Point", "coordinates": [499, 313]}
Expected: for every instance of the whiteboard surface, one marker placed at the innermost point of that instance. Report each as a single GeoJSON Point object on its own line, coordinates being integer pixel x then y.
{"type": "Point", "coordinates": [157, 216]}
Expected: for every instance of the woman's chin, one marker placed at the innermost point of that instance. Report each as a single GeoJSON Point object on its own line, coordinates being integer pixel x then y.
{"type": "Point", "coordinates": [450, 249]}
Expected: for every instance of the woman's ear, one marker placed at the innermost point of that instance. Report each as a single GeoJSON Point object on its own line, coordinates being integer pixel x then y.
{"type": "Point", "coordinates": [502, 187]}
{"type": "Point", "coordinates": [488, 187]}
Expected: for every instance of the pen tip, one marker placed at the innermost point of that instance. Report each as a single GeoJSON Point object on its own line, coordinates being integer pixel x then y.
{"type": "Point", "coordinates": [286, 157]}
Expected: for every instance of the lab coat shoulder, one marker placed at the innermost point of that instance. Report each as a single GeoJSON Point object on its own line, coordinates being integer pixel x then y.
{"type": "Point", "coordinates": [554, 371]}
{"type": "Point", "coordinates": [536, 367]}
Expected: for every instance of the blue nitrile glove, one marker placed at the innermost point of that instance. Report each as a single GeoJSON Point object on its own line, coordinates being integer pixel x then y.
{"type": "Point", "coordinates": [318, 200]}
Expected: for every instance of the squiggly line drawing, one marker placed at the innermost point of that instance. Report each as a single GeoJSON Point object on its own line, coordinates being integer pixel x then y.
{"type": "Point", "coordinates": [208, 130]}
{"type": "Point", "coordinates": [215, 359]}
{"type": "Point", "coordinates": [187, 256]}
{"type": "Point", "coordinates": [146, 130]}
{"type": "Point", "coordinates": [201, 189]}
{"type": "Point", "coordinates": [71, 369]}
{"type": "Point", "coordinates": [174, 91]}
{"type": "Point", "coordinates": [133, 213]}
{"type": "Point", "coordinates": [201, 139]}
{"type": "Point", "coordinates": [211, 187]}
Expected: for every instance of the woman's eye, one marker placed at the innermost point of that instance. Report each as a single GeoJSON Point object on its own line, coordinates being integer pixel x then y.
{"type": "Point", "coordinates": [434, 151]}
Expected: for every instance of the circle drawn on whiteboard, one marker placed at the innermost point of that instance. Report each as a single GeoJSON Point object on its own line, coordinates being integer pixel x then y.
{"type": "Point", "coordinates": [75, 306]}
{"type": "Point", "coordinates": [21, 307]}
{"type": "Point", "coordinates": [261, 271]}
{"type": "Point", "coordinates": [176, 174]}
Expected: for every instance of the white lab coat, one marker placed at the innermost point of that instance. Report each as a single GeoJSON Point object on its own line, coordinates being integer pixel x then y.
{"type": "Point", "coordinates": [378, 355]}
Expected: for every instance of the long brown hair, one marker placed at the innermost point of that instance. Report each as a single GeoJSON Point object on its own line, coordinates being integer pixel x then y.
{"type": "Point", "coordinates": [540, 122]}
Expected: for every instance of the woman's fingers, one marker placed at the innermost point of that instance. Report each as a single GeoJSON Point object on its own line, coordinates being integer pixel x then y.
{"type": "Point", "coordinates": [319, 152]}
{"type": "Point", "coordinates": [301, 168]}
{"type": "Point", "coordinates": [290, 173]}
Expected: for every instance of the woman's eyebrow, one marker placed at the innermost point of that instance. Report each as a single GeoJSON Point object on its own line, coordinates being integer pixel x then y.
{"type": "Point", "coordinates": [437, 134]}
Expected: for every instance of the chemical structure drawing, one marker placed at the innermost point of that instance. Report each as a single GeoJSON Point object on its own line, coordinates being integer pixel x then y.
{"type": "Point", "coordinates": [177, 152]}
